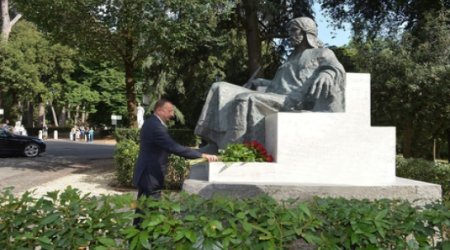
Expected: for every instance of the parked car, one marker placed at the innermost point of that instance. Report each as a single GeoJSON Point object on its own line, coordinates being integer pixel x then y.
{"type": "Point", "coordinates": [11, 144]}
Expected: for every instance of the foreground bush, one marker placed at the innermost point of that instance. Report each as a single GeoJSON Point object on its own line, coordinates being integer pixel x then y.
{"type": "Point", "coordinates": [179, 221]}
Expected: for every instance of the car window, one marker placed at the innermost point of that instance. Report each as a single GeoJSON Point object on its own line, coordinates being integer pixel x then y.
{"type": "Point", "coordinates": [3, 133]}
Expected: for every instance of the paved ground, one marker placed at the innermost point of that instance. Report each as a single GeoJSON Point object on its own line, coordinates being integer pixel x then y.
{"type": "Point", "coordinates": [86, 166]}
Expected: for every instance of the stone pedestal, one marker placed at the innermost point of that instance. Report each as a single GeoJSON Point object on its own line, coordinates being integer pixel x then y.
{"type": "Point", "coordinates": [416, 192]}
{"type": "Point", "coordinates": [319, 154]}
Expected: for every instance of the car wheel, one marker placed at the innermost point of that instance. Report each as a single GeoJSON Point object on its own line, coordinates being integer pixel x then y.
{"type": "Point", "coordinates": [31, 150]}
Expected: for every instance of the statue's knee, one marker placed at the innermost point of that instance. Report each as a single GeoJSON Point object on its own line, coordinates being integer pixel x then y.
{"type": "Point", "coordinates": [243, 97]}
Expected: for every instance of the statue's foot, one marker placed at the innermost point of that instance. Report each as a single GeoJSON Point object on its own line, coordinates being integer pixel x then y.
{"type": "Point", "coordinates": [210, 148]}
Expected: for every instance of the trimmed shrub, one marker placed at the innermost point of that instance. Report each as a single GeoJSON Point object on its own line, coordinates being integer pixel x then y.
{"type": "Point", "coordinates": [177, 171]}
{"type": "Point", "coordinates": [125, 156]}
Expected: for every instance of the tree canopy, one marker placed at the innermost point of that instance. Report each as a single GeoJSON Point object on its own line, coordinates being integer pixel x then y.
{"type": "Point", "coordinates": [128, 31]}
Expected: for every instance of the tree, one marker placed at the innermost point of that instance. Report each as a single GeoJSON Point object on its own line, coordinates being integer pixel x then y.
{"type": "Point", "coordinates": [20, 79]}
{"type": "Point", "coordinates": [124, 32]}
{"type": "Point", "coordinates": [106, 86]}
{"type": "Point", "coordinates": [410, 83]}
{"type": "Point", "coordinates": [7, 23]}
{"type": "Point", "coordinates": [263, 21]}
{"type": "Point", "coordinates": [370, 19]}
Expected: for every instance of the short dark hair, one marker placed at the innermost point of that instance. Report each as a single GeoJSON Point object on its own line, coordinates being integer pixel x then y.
{"type": "Point", "coordinates": [160, 103]}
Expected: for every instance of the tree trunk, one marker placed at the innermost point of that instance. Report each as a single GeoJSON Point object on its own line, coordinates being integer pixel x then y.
{"type": "Point", "coordinates": [62, 116]}
{"type": "Point", "coordinates": [407, 140]}
{"type": "Point", "coordinates": [131, 94]}
{"type": "Point", "coordinates": [30, 117]}
{"type": "Point", "coordinates": [20, 111]}
{"type": "Point", "coordinates": [41, 115]}
{"type": "Point", "coordinates": [7, 23]}
{"type": "Point", "coordinates": [69, 113]}
{"type": "Point", "coordinates": [448, 145]}
{"type": "Point", "coordinates": [55, 118]}
{"type": "Point", "coordinates": [77, 114]}
{"type": "Point", "coordinates": [83, 115]}
{"type": "Point", "coordinates": [252, 33]}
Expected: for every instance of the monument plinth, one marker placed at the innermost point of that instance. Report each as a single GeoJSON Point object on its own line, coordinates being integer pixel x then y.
{"type": "Point", "coordinates": [319, 154]}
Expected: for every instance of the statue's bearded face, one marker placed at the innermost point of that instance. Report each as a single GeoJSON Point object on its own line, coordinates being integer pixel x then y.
{"type": "Point", "coordinates": [296, 35]}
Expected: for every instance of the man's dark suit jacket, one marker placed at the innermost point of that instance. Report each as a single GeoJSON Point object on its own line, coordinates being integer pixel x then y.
{"type": "Point", "coordinates": [155, 146]}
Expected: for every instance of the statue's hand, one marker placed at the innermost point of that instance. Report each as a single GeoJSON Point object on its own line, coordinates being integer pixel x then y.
{"type": "Point", "coordinates": [321, 86]}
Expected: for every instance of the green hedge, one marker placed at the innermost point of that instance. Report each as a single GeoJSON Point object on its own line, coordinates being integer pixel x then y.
{"type": "Point", "coordinates": [180, 221]}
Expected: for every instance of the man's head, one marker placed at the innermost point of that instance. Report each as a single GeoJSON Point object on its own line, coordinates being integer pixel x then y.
{"type": "Point", "coordinates": [301, 27]}
{"type": "Point", "coordinates": [164, 110]}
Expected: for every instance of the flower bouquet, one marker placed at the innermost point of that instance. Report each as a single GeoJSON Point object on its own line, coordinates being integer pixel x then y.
{"type": "Point", "coordinates": [252, 151]}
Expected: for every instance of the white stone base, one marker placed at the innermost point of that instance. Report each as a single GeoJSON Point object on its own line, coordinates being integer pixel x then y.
{"type": "Point", "coordinates": [288, 173]}
{"type": "Point", "coordinates": [329, 148]}
{"type": "Point", "coordinates": [416, 192]}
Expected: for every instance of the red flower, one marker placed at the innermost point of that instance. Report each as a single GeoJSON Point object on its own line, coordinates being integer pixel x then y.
{"type": "Point", "coordinates": [260, 151]}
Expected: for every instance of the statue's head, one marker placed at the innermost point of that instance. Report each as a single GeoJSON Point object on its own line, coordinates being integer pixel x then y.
{"type": "Point", "coordinates": [301, 28]}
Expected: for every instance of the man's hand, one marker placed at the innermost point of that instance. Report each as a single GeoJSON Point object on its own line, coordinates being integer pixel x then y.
{"type": "Point", "coordinates": [210, 157]}
{"type": "Point", "coordinates": [321, 86]}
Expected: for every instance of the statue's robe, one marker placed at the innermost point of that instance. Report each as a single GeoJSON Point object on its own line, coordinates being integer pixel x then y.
{"type": "Point", "coordinates": [233, 114]}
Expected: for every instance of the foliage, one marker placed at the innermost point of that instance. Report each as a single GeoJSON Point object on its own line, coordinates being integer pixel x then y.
{"type": "Point", "coordinates": [423, 170]}
{"type": "Point", "coordinates": [125, 157]}
{"type": "Point", "coordinates": [132, 134]}
{"type": "Point", "coordinates": [382, 224]}
{"type": "Point", "coordinates": [370, 19]}
{"type": "Point", "coordinates": [184, 136]}
{"type": "Point", "coordinates": [68, 220]}
{"type": "Point", "coordinates": [37, 71]}
{"type": "Point", "coordinates": [177, 171]}
{"type": "Point", "coordinates": [33, 70]}
{"type": "Point", "coordinates": [127, 32]}
{"type": "Point", "coordinates": [409, 84]}
{"type": "Point", "coordinates": [247, 152]}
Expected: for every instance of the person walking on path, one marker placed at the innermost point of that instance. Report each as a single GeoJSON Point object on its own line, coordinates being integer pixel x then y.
{"type": "Point", "coordinates": [155, 146]}
{"type": "Point", "coordinates": [91, 134]}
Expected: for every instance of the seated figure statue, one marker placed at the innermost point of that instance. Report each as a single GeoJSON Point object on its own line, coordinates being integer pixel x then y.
{"type": "Point", "coordinates": [312, 79]}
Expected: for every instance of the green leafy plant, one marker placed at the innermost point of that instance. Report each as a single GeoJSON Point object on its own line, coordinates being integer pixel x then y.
{"type": "Point", "coordinates": [246, 152]}
{"type": "Point", "coordinates": [177, 170]}
{"type": "Point", "coordinates": [69, 220]}
{"type": "Point", "coordinates": [125, 157]}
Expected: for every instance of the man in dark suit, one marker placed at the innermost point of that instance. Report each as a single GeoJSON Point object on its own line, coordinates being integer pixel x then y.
{"type": "Point", "coordinates": [155, 146]}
